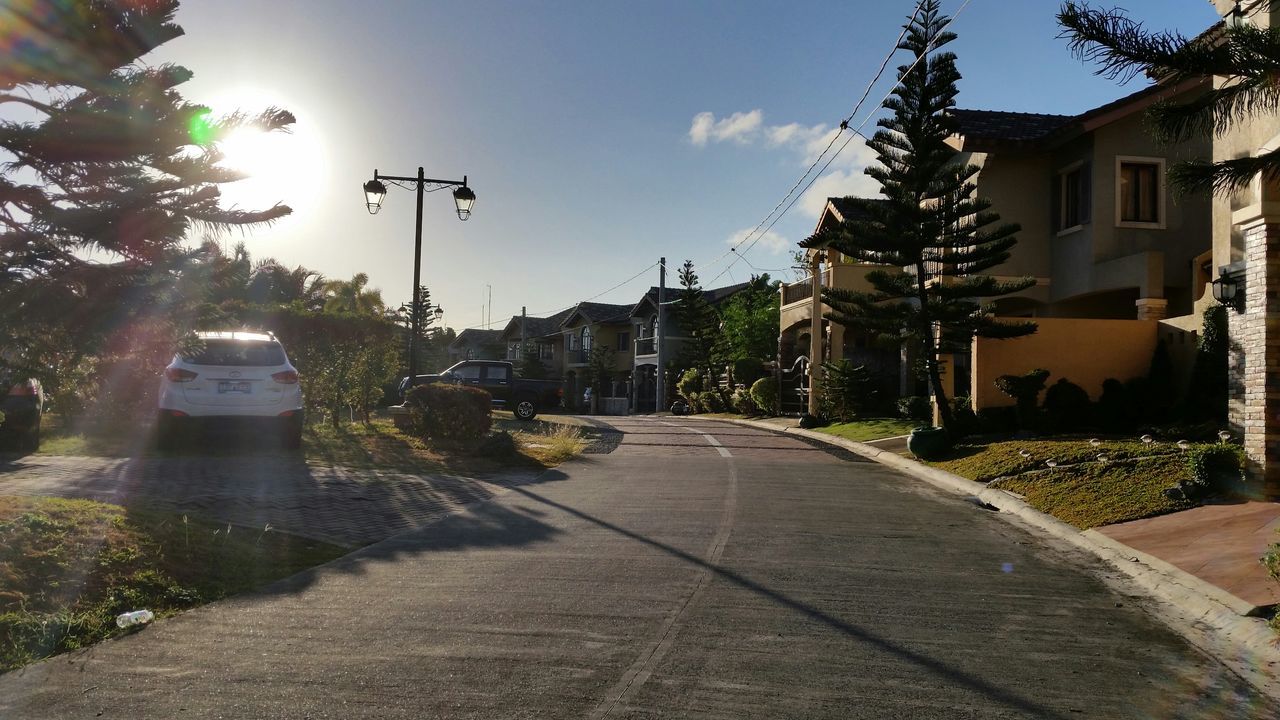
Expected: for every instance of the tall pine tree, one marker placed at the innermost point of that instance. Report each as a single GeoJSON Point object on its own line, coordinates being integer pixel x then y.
{"type": "Point", "coordinates": [106, 169]}
{"type": "Point", "coordinates": [931, 227]}
{"type": "Point", "coordinates": [699, 323]}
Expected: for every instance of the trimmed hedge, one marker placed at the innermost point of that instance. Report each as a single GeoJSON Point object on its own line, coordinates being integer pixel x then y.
{"type": "Point", "coordinates": [765, 394]}
{"type": "Point", "coordinates": [451, 415]}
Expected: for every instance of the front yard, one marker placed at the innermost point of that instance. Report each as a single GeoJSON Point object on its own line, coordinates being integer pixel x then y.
{"type": "Point", "coordinates": [68, 567]}
{"type": "Point", "coordinates": [1082, 482]}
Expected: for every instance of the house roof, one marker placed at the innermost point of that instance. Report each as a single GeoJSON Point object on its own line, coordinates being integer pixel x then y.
{"type": "Point", "coordinates": [840, 209]}
{"type": "Point", "coordinates": [986, 130]}
{"type": "Point", "coordinates": [595, 312]}
{"type": "Point", "coordinates": [473, 336]}
{"type": "Point", "coordinates": [714, 296]}
{"type": "Point", "coordinates": [995, 126]}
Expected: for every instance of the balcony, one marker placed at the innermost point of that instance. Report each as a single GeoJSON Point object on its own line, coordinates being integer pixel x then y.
{"type": "Point", "coordinates": [646, 346]}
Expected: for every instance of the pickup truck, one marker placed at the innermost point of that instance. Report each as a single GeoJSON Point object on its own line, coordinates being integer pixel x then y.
{"type": "Point", "coordinates": [523, 396]}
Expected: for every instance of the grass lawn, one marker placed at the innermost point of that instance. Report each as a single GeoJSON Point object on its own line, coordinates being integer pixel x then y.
{"type": "Point", "coordinates": [1081, 490]}
{"type": "Point", "coordinates": [1094, 494]}
{"type": "Point", "coordinates": [872, 429]}
{"type": "Point", "coordinates": [68, 567]}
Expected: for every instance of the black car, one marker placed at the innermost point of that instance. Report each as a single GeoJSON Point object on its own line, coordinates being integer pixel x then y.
{"type": "Point", "coordinates": [524, 397]}
{"type": "Point", "coordinates": [22, 405]}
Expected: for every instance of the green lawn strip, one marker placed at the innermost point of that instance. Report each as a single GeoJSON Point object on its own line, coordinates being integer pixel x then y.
{"type": "Point", "coordinates": [68, 567]}
{"type": "Point", "coordinates": [872, 429]}
{"type": "Point", "coordinates": [1094, 494]}
{"type": "Point", "coordinates": [984, 462]}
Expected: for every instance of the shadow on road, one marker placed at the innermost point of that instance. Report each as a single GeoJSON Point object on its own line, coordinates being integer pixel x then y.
{"type": "Point", "coordinates": [937, 667]}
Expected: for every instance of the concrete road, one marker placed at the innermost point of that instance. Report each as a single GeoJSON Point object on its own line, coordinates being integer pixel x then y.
{"type": "Point", "coordinates": [699, 570]}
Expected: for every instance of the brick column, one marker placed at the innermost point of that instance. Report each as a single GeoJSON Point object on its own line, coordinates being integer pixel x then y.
{"type": "Point", "coordinates": [1254, 395]}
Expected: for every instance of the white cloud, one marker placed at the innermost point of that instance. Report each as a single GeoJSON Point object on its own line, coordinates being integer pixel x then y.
{"type": "Point", "coordinates": [844, 173]}
{"type": "Point", "coordinates": [739, 127]}
{"type": "Point", "coordinates": [770, 240]}
{"type": "Point", "coordinates": [837, 183]}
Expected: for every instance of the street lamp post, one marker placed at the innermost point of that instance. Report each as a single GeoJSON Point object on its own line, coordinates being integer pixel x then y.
{"type": "Point", "coordinates": [463, 199]}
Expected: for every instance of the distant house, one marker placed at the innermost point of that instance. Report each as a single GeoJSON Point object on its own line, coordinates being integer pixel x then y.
{"type": "Point", "coordinates": [590, 325]}
{"type": "Point", "coordinates": [542, 336]}
{"type": "Point", "coordinates": [645, 328]}
{"type": "Point", "coordinates": [472, 344]}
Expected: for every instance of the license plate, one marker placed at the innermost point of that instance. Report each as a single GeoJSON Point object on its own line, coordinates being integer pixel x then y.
{"type": "Point", "coordinates": [233, 387]}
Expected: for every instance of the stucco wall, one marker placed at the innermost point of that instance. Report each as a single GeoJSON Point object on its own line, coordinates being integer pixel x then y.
{"type": "Point", "coordinates": [1086, 352]}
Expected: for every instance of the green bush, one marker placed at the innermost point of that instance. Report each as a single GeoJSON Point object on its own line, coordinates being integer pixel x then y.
{"type": "Point", "coordinates": [764, 392]}
{"type": "Point", "coordinates": [1025, 391]}
{"type": "Point", "coordinates": [1213, 469]}
{"type": "Point", "coordinates": [1207, 394]}
{"type": "Point", "coordinates": [846, 391]}
{"type": "Point", "coordinates": [1160, 391]}
{"type": "Point", "coordinates": [452, 415]}
{"type": "Point", "coordinates": [690, 384]}
{"type": "Point", "coordinates": [1115, 411]}
{"type": "Point", "coordinates": [1066, 406]}
{"type": "Point", "coordinates": [747, 370]}
{"type": "Point", "coordinates": [712, 402]}
{"type": "Point", "coordinates": [997, 420]}
{"type": "Point", "coordinates": [914, 407]}
{"type": "Point", "coordinates": [964, 421]}
{"type": "Point", "coordinates": [743, 403]}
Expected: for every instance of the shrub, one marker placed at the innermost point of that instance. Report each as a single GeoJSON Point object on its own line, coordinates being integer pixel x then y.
{"type": "Point", "coordinates": [1213, 469]}
{"type": "Point", "coordinates": [764, 392]}
{"type": "Point", "coordinates": [743, 403]}
{"type": "Point", "coordinates": [452, 415]}
{"type": "Point", "coordinates": [997, 420]}
{"type": "Point", "coordinates": [847, 390]}
{"type": "Point", "coordinates": [914, 407]}
{"type": "Point", "coordinates": [1025, 391]}
{"type": "Point", "coordinates": [1207, 394]}
{"type": "Point", "coordinates": [1066, 406]}
{"type": "Point", "coordinates": [747, 370]}
{"type": "Point", "coordinates": [1115, 411]}
{"type": "Point", "coordinates": [689, 384]}
{"type": "Point", "coordinates": [964, 421]}
{"type": "Point", "coordinates": [1160, 395]}
{"type": "Point", "coordinates": [497, 445]}
{"type": "Point", "coordinates": [712, 402]}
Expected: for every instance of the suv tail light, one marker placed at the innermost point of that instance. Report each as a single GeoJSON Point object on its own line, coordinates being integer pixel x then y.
{"type": "Point", "coordinates": [23, 388]}
{"type": "Point", "coordinates": [286, 377]}
{"type": "Point", "coordinates": [179, 375]}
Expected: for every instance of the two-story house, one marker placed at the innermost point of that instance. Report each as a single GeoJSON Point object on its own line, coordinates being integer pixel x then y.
{"type": "Point", "coordinates": [475, 344]}
{"type": "Point", "coordinates": [587, 327]}
{"type": "Point", "coordinates": [542, 335]}
{"type": "Point", "coordinates": [645, 326]}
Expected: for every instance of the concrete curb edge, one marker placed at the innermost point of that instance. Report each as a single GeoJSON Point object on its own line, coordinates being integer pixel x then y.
{"type": "Point", "coordinates": [1233, 621]}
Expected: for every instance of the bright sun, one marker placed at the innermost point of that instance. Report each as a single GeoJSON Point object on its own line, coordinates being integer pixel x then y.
{"type": "Point", "coordinates": [281, 167]}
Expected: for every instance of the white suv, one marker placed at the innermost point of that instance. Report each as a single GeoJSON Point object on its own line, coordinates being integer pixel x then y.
{"type": "Point", "coordinates": [240, 376]}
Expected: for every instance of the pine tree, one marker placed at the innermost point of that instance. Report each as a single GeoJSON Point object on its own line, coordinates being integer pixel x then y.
{"type": "Point", "coordinates": [698, 322]}
{"type": "Point", "coordinates": [930, 226]}
{"type": "Point", "coordinates": [108, 169]}
{"type": "Point", "coordinates": [1242, 56]}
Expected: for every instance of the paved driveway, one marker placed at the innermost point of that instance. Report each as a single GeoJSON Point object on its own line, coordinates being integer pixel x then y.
{"type": "Point", "coordinates": [338, 505]}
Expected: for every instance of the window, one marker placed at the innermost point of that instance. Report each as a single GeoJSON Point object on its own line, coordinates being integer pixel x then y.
{"type": "Point", "coordinates": [546, 351]}
{"type": "Point", "coordinates": [469, 372]}
{"type": "Point", "coordinates": [497, 373]}
{"type": "Point", "coordinates": [586, 338]}
{"type": "Point", "coordinates": [1071, 197]}
{"type": "Point", "coordinates": [624, 342]}
{"type": "Point", "coordinates": [1140, 191]}
{"type": "Point", "coordinates": [573, 342]}
{"type": "Point", "coordinates": [237, 353]}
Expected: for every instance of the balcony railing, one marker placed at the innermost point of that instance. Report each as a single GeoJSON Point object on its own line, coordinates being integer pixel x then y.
{"type": "Point", "coordinates": [795, 292]}
{"type": "Point", "coordinates": [647, 346]}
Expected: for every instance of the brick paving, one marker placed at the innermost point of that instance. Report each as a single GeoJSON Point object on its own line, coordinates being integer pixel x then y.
{"type": "Point", "coordinates": [339, 505]}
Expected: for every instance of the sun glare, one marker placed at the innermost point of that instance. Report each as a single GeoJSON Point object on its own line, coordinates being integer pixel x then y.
{"type": "Point", "coordinates": [280, 167]}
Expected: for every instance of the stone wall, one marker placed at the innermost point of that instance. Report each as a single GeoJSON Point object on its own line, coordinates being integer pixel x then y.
{"type": "Point", "coordinates": [1254, 396]}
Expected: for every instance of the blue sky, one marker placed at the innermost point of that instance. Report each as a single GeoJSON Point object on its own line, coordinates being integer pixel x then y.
{"type": "Point", "coordinates": [581, 126]}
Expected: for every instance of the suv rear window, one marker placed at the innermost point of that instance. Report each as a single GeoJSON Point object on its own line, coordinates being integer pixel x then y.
{"type": "Point", "coordinates": [236, 352]}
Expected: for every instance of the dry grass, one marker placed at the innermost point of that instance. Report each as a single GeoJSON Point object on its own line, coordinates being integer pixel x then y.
{"type": "Point", "coordinates": [551, 445]}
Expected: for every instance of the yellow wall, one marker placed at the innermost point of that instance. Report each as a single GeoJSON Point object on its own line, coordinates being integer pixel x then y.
{"type": "Point", "coordinates": [1086, 352]}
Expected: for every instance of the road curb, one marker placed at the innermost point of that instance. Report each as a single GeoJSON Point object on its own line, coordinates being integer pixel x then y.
{"type": "Point", "coordinates": [1245, 642]}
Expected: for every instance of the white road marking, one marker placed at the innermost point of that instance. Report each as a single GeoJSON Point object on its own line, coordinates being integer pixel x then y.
{"type": "Point", "coordinates": [724, 451]}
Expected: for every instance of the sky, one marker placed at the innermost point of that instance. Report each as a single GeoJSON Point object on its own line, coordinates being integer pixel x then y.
{"type": "Point", "coordinates": [598, 135]}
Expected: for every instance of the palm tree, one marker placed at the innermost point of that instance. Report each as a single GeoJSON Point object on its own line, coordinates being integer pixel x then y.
{"type": "Point", "coordinates": [273, 283]}
{"type": "Point", "coordinates": [350, 296]}
{"type": "Point", "coordinates": [1241, 56]}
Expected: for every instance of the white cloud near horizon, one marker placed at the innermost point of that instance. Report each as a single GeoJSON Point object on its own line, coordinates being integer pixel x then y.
{"type": "Point", "coordinates": [844, 176]}
{"type": "Point", "coordinates": [770, 240]}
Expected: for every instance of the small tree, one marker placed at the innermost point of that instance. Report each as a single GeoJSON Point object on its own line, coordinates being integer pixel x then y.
{"type": "Point", "coordinates": [698, 321]}
{"type": "Point", "coordinates": [530, 366]}
{"type": "Point", "coordinates": [930, 227]}
{"type": "Point", "coordinates": [1207, 394]}
{"type": "Point", "coordinates": [749, 323]}
{"type": "Point", "coordinates": [1025, 390]}
{"type": "Point", "coordinates": [600, 369]}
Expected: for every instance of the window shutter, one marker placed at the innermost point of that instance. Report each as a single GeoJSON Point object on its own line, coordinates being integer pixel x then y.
{"type": "Point", "coordinates": [1086, 193]}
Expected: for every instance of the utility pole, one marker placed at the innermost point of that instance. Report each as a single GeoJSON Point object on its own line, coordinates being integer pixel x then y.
{"type": "Point", "coordinates": [661, 390]}
{"type": "Point", "coordinates": [523, 350]}
{"type": "Point", "coordinates": [815, 333]}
